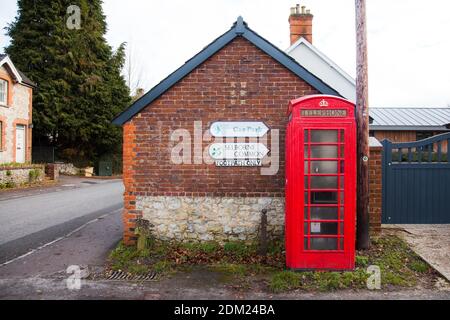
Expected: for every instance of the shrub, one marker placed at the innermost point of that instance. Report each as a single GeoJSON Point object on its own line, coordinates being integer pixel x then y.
{"type": "Point", "coordinates": [419, 266]}
{"type": "Point", "coordinates": [284, 280]}
{"type": "Point", "coordinates": [10, 184]}
{"type": "Point", "coordinates": [362, 261]}
{"type": "Point", "coordinates": [34, 175]}
{"type": "Point", "coordinates": [238, 248]}
{"type": "Point", "coordinates": [161, 266]}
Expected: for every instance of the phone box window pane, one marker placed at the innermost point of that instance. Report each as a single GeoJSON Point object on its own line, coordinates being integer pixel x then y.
{"type": "Point", "coordinates": [323, 136]}
{"type": "Point", "coordinates": [324, 228]}
{"type": "Point", "coordinates": [324, 213]}
{"type": "Point", "coordinates": [321, 152]}
{"type": "Point", "coordinates": [324, 197]}
{"type": "Point", "coordinates": [323, 167]}
{"type": "Point", "coordinates": [318, 182]}
{"type": "Point", "coordinates": [324, 244]}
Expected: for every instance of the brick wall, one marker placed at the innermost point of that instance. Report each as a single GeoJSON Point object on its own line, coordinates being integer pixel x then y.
{"type": "Point", "coordinates": [129, 162]}
{"type": "Point", "coordinates": [238, 83]}
{"type": "Point", "coordinates": [375, 188]}
{"type": "Point", "coordinates": [52, 171]}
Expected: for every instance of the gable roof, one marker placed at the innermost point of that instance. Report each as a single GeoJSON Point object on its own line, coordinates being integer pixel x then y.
{"type": "Point", "coordinates": [323, 67]}
{"type": "Point", "coordinates": [414, 119]}
{"type": "Point", "coordinates": [18, 75]}
{"type": "Point", "coordinates": [5, 60]}
{"type": "Point", "coordinates": [239, 29]}
{"type": "Point", "coordinates": [27, 80]}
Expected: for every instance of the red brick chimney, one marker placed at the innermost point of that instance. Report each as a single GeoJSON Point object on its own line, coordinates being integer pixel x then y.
{"type": "Point", "coordinates": [300, 22]}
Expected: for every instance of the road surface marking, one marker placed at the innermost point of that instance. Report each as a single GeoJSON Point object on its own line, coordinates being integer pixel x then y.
{"type": "Point", "coordinates": [59, 239]}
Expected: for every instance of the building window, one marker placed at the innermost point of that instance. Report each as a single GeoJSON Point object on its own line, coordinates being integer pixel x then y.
{"type": "Point", "coordinates": [420, 135]}
{"type": "Point", "coordinates": [3, 92]}
{"type": "Point", "coordinates": [1, 136]}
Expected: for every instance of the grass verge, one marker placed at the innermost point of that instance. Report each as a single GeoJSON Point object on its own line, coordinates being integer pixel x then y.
{"type": "Point", "coordinates": [238, 263]}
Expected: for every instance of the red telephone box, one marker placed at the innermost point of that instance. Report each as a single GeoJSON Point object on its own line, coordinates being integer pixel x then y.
{"type": "Point", "coordinates": [321, 183]}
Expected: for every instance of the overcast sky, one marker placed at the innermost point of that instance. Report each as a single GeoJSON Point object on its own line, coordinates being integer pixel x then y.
{"type": "Point", "coordinates": [409, 41]}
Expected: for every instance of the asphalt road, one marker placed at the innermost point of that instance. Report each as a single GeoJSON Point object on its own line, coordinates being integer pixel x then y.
{"type": "Point", "coordinates": [29, 222]}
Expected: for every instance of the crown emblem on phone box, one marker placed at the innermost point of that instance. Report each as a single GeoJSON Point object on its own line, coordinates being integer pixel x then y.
{"type": "Point", "coordinates": [323, 103]}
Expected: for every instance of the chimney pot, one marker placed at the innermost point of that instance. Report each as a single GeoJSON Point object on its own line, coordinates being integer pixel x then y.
{"type": "Point", "coordinates": [300, 23]}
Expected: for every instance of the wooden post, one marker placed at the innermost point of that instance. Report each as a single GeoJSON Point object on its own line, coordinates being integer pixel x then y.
{"type": "Point", "coordinates": [263, 235]}
{"type": "Point", "coordinates": [362, 118]}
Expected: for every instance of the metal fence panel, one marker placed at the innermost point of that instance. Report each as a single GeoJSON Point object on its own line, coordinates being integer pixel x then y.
{"type": "Point", "coordinates": [43, 154]}
{"type": "Point", "coordinates": [416, 181]}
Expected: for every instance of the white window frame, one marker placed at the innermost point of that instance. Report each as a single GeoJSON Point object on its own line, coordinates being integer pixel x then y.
{"type": "Point", "coordinates": [6, 83]}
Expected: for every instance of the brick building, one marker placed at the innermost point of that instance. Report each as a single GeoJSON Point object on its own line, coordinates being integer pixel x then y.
{"type": "Point", "coordinates": [16, 111]}
{"type": "Point", "coordinates": [238, 77]}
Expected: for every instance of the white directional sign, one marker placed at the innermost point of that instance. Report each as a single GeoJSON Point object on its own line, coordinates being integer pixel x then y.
{"type": "Point", "coordinates": [238, 129]}
{"type": "Point", "coordinates": [237, 151]}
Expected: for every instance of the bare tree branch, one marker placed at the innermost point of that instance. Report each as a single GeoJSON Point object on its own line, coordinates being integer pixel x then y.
{"type": "Point", "coordinates": [133, 70]}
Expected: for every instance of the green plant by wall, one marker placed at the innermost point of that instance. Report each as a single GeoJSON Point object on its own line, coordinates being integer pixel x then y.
{"type": "Point", "coordinates": [34, 175]}
{"type": "Point", "coordinates": [17, 165]}
{"type": "Point", "coordinates": [7, 185]}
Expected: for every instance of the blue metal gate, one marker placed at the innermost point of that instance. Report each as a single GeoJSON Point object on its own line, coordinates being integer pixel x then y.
{"type": "Point", "coordinates": [416, 181]}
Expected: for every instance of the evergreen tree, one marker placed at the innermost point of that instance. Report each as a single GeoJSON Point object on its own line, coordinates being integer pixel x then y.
{"type": "Point", "coordinates": [80, 87]}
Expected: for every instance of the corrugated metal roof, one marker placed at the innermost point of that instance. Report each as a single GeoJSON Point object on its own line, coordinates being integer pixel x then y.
{"type": "Point", "coordinates": [410, 118]}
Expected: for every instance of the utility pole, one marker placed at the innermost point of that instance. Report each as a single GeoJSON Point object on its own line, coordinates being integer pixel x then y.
{"type": "Point", "coordinates": [362, 119]}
